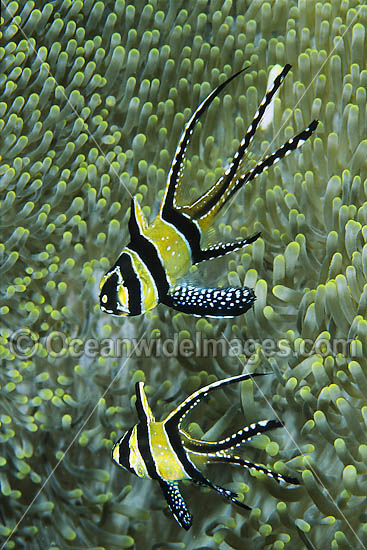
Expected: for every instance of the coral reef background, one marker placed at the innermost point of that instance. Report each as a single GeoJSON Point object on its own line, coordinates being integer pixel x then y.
{"type": "Point", "coordinates": [93, 98]}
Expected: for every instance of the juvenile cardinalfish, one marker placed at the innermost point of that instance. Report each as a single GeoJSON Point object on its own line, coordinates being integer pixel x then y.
{"type": "Point", "coordinates": [165, 452]}
{"type": "Point", "coordinates": [161, 253]}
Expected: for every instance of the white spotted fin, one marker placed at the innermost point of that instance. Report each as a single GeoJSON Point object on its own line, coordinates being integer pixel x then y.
{"type": "Point", "coordinates": [160, 254]}
{"type": "Point", "coordinates": [164, 452]}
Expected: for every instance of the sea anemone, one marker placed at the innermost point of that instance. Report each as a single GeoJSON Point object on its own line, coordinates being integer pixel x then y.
{"type": "Point", "coordinates": [94, 96]}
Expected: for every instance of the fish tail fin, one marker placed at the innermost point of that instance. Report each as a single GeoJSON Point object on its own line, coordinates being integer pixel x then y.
{"type": "Point", "coordinates": [236, 460]}
{"type": "Point", "coordinates": [207, 206]}
{"type": "Point", "coordinates": [242, 436]}
{"type": "Point", "coordinates": [286, 149]}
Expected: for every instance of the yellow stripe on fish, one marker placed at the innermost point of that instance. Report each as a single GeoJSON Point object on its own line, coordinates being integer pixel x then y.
{"type": "Point", "coordinates": [166, 453]}
{"type": "Point", "coordinates": [161, 253]}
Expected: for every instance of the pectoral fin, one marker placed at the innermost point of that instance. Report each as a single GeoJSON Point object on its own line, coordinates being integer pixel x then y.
{"type": "Point", "coordinates": [176, 503]}
{"type": "Point", "coordinates": [210, 302]}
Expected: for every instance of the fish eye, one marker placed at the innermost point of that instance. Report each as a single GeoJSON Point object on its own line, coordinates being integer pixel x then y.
{"type": "Point", "coordinates": [114, 295]}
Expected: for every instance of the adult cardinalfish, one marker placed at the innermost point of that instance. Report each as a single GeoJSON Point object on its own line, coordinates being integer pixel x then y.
{"type": "Point", "coordinates": [165, 452]}
{"type": "Point", "coordinates": [161, 253]}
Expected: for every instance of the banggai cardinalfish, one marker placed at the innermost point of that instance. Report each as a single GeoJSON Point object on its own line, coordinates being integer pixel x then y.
{"type": "Point", "coordinates": [161, 253]}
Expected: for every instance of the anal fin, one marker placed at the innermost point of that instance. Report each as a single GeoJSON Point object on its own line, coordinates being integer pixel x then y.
{"type": "Point", "coordinates": [220, 249]}
{"type": "Point", "coordinates": [227, 493]}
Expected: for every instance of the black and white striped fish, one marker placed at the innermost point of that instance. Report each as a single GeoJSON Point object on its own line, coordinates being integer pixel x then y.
{"type": "Point", "coordinates": [161, 253]}
{"type": "Point", "coordinates": [166, 453]}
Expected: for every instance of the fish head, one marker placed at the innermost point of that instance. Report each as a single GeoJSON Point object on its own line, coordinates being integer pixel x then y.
{"type": "Point", "coordinates": [113, 296]}
{"type": "Point", "coordinates": [128, 289]}
{"type": "Point", "coordinates": [126, 454]}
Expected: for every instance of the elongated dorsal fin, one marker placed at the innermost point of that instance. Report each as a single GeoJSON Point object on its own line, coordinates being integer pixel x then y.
{"type": "Point", "coordinates": [137, 222]}
{"type": "Point", "coordinates": [177, 164]}
{"type": "Point", "coordinates": [176, 416]}
{"type": "Point", "coordinates": [142, 406]}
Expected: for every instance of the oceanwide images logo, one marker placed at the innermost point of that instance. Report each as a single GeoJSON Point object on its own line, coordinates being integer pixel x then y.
{"type": "Point", "coordinates": [24, 344]}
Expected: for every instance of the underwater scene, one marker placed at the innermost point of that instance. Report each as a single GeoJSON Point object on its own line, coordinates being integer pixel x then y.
{"type": "Point", "coordinates": [183, 261]}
